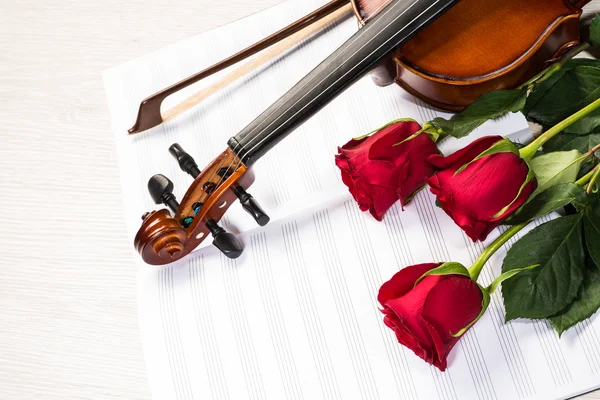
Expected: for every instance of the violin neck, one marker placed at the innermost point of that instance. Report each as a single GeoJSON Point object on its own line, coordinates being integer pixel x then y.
{"type": "Point", "coordinates": [385, 33]}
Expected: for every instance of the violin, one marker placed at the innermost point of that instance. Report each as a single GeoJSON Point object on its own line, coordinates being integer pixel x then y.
{"type": "Point", "coordinates": [446, 52]}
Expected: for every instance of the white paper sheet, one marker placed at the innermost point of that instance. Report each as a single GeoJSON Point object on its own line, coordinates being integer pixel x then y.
{"type": "Point", "coordinates": [296, 316]}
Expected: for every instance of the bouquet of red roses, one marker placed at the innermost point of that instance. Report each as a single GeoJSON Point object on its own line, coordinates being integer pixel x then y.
{"type": "Point", "coordinates": [552, 272]}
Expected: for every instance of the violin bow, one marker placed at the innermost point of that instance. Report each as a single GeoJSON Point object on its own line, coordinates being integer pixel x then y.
{"type": "Point", "coordinates": [149, 113]}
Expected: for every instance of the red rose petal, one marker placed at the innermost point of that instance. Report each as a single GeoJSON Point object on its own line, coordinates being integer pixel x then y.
{"type": "Point", "coordinates": [452, 305]}
{"type": "Point", "coordinates": [466, 154]}
{"type": "Point", "coordinates": [403, 281]}
{"type": "Point", "coordinates": [383, 147]}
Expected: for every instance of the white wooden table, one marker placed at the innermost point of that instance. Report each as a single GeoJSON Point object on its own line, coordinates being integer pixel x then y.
{"type": "Point", "coordinates": [68, 325]}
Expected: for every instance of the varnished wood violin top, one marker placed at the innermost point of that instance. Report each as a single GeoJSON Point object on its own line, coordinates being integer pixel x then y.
{"type": "Point", "coordinates": [481, 45]}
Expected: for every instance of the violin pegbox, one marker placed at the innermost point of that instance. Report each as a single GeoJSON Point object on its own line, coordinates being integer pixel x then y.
{"type": "Point", "coordinates": [166, 236]}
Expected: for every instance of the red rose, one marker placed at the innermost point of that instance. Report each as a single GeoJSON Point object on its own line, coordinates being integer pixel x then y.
{"type": "Point", "coordinates": [482, 185]}
{"type": "Point", "coordinates": [431, 316]}
{"type": "Point", "coordinates": [378, 173]}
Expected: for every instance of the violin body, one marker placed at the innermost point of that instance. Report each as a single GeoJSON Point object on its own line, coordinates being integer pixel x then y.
{"type": "Point", "coordinates": [478, 46]}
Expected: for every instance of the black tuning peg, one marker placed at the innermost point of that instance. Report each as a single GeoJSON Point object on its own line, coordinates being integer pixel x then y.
{"type": "Point", "coordinates": [161, 190]}
{"type": "Point", "coordinates": [251, 206]}
{"type": "Point", "coordinates": [229, 245]}
{"type": "Point", "coordinates": [186, 162]}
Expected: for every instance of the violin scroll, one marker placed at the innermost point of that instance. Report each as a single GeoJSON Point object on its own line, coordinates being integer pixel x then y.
{"type": "Point", "coordinates": [170, 234]}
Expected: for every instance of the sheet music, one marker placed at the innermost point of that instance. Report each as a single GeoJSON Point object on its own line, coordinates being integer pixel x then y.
{"type": "Point", "coordinates": [296, 316]}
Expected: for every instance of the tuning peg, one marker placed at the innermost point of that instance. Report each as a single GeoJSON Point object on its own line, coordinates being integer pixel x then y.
{"type": "Point", "coordinates": [161, 190]}
{"type": "Point", "coordinates": [251, 206]}
{"type": "Point", "coordinates": [229, 245]}
{"type": "Point", "coordinates": [186, 162]}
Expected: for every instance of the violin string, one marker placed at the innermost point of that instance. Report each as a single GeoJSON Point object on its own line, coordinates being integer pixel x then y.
{"type": "Point", "coordinates": [366, 29]}
{"type": "Point", "coordinates": [238, 162]}
{"type": "Point", "coordinates": [255, 136]}
{"type": "Point", "coordinates": [335, 70]}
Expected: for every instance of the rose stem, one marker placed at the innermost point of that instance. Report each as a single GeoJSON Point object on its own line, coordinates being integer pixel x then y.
{"type": "Point", "coordinates": [477, 266]}
{"type": "Point", "coordinates": [529, 151]}
{"type": "Point", "coordinates": [546, 73]}
{"type": "Point", "coordinates": [593, 180]}
{"type": "Point", "coordinates": [590, 177]}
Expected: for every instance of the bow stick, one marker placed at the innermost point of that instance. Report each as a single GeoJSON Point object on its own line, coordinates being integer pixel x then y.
{"type": "Point", "coordinates": [149, 113]}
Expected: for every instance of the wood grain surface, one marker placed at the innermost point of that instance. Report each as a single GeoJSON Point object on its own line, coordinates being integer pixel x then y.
{"type": "Point", "coordinates": [68, 325]}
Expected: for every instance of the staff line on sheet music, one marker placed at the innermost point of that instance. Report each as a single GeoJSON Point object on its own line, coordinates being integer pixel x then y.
{"type": "Point", "coordinates": [345, 309]}
{"type": "Point", "coordinates": [339, 301]}
{"type": "Point", "coordinates": [514, 344]}
{"type": "Point", "coordinates": [397, 236]}
{"type": "Point", "coordinates": [205, 329]}
{"type": "Point", "coordinates": [173, 336]}
{"type": "Point", "coordinates": [311, 318]}
{"type": "Point", "coordinates": [242, 332]}
{"type": "Point", "coordinates": [584, 344]}
{"type": "Point", "coordinates": [591, 346]}
{"type": "Point", "coordinates": [396, 357]}
{"type": "Point", "coordinates": [286, 362]}
{"type": "Point", "coordinates": [474, 339]}
{"type": "Point", "coordinates": [518, 372]}
{"type": "Point", "coordinates": [371, 280]}
{"type": "Point", "coordinates": [510, 344]}
{"type": "Point", "coordinates": [271, 313]}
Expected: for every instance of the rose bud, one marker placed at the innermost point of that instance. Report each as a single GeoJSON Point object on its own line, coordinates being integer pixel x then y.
{"type": "Point", "coordinates": [430, 307]}
{"type": "Point", "coordinates": [388, 165]}
{"type": "Point", "coordinates": [482, 184]}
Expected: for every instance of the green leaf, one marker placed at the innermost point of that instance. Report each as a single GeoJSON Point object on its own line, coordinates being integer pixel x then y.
{"type": "Point", "coordinates": [555, 168]}
{"type": "Point", "coordinates": [488, 106]}
{"type": "Point", "coordinates": [506, 276]}
{"type": "Point", "coordinates": [566, 141]}
{"type": "Point", "coordinates": [449, 268]}
{"type": "Point", "coordinates": [595, 31]}
{"type": "Point", "coordinates": [584, 306]}
{"type": "Point", "coordinates": [586, 125]}
{"type": "Point", "coordinates": [591, 225]}
{"type": "Point", "coordinates": [567, 91]}
{"type": "Point", "coordinates": [557, 246]}
{"type": "Point", "coordinates": [549, 200]}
